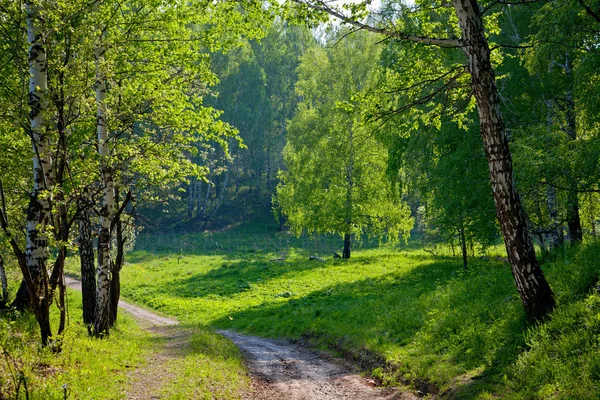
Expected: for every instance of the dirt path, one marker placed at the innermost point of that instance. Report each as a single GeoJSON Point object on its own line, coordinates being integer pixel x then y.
{"type": "Point", "coordinates": [172, 342]}
{"type": "Point", "coordinates": [281, 370]}
{"type": "Point", "coordinates": [289, 371]}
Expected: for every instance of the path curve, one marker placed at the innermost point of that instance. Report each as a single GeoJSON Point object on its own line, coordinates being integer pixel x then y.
{"type": "Point", "coordinates": [138, 312]}
{"type": "Point", "coordinates": [281, 370]}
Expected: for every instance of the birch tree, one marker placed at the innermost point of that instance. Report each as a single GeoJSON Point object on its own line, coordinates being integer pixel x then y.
{"type": "Point", "coordinates": [464, 28]}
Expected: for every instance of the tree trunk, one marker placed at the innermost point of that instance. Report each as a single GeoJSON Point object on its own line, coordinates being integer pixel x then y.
{"type": "Point", "coordinates": [541, 237]}
{"type": "Point", "coordinates": [347, 242]}
{"type": "Point", "coordinates": [4, 281]}
{"type": "Point", "coordinates": [349, 194]}
{"type": "Point", "coordinates": [115, 294]}
{"type": "Point", "coordinates": [102, 314]}
{"type": "Point", "coordinates": [555, 236]}
{"type": "Point", "coordinates": [39, 210]}
{"type": "Point", "coordinates": [59, 267]}
{"type": "Point", "coordinates": [115, 282]}
{"type": "Point", "coordinates": [592, 213]}
{"type": "Point", "coordinates": [191, 194]}
{"type": "Point", "coordinates": [463, 246]}
{"type": "Point", "coordinates": [573, 218]}
{"type": "Point", "coordinates": [535, 293]}
{"type": "Point", "coordinates": [88, 267]}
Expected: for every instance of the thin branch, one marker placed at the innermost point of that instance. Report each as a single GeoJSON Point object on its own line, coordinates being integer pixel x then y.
{"type": "Point", "coordinates": [322, 6]}
{"type": "Point", "coordinates": [120, 210]}
{"type": "Point", "coordinates": [590, 12]}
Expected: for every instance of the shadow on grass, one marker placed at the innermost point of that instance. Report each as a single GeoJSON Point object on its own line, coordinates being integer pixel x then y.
{"type": "Point", "coordinates": [431, 323]}
{"type": "Point", "coordinates": [183, 340]}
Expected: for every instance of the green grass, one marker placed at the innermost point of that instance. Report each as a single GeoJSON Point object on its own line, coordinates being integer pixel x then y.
{"type": "Point", "coordinates": [98, 369]}
{"type": "Point", "coordinates": [405, 315]}
{"type": "Point", "coordinates": [212, 367]}
{"type": "Point", "coordinates": [89, 368]}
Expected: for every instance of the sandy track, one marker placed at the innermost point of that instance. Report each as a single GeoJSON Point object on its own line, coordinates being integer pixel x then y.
{"type": "Point", "coordinates": [146, 316]}
{"type": "Point", "coordinates": [280, 369]}
{"type": "Point", "coordinates": [289, 371]}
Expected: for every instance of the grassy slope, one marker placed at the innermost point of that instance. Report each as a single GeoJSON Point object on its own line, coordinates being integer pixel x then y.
{"type": "Point", "coordinates": [419, 318]}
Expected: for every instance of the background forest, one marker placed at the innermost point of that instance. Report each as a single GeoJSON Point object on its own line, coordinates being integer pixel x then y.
{"type": "Point", "coordinates": [466, 132]}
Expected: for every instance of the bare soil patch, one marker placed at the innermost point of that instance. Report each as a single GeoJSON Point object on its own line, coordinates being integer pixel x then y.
{"type": "Point", "coordinates": [283, 370]}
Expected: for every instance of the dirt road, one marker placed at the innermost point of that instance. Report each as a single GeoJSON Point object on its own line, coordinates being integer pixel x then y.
{"type": "Point", "coordinates": [288, 371]}
{"type": "Point", "coordinates": [281, 370]}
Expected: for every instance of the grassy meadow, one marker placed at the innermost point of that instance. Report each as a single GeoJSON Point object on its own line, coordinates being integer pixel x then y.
{"type": "Point", "coordinates": [406, 316]}
{"type": "Point", "coordinates": [85, 367]}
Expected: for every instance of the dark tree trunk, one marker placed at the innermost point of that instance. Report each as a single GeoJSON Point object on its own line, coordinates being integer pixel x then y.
{"type": "Point", "coordinates": [540, 236]}
{"type": "Point", "coordinates": [115, 295]}
{"type": "Point", "coordinates": [60, 283]}
{"type": "Point", "coordinates": [347, 242]}
{"type": "Point", "coordinates": [463, 246]}
{"type": "Point", "coordinates": [115, 283]}
{"type": "Point", "coordinates": [4, 281]}
{"type": "Point", "coordinates": [22, 299]}
{"type": "Point", "coordinates": [535, 293]}
{"type": "Point", "coordinates": [573, 219]}
{"type": "Point", "coordinates": [88, 267]}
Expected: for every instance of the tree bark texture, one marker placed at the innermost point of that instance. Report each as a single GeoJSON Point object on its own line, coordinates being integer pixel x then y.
{"type": "Point", "coordinates": [102, 314]}
{"type": "Point", "coordinates": [88, 267]}
{"type": "Point", "coordinates": [39, 210]}
{"type": "Point", "coordinates": [535, 293]}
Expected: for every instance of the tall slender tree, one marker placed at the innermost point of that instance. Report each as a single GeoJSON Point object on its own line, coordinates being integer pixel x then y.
{"type": "Point", "coordinates": [469, 34]}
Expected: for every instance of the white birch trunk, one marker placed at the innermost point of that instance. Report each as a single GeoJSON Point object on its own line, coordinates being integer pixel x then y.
{"type": "Point", "coordinates": [535, 293]}
{"type": "Point", "coordinates": [102, 313]}
{"type": "Point", "coordinates": [39, 212]}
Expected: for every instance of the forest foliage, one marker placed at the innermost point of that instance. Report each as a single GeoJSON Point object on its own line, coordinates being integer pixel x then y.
{"type": "Point", "coordinates": [460, 123]}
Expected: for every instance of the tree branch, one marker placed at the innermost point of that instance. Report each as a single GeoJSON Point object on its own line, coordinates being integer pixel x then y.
{"type": "Point", "coordinates": [590, 12]}
{"type": "Point", "coordinates": [322, 6]}
{"type": "Point", "coordinates": [120, 210]}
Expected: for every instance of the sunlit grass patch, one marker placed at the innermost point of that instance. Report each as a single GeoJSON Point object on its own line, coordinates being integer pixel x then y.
{"type": "Point", "coordinates": [85, 368]}
{"type": "Point", "coordinates": [401, 312]}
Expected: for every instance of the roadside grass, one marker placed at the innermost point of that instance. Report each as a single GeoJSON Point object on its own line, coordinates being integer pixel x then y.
{"type": "Point", "coordinates": [85, 368]}
{"type": "Point", "coordinates": [406, 316]}
{"type": "Point", "coordinates": [210, 367]}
